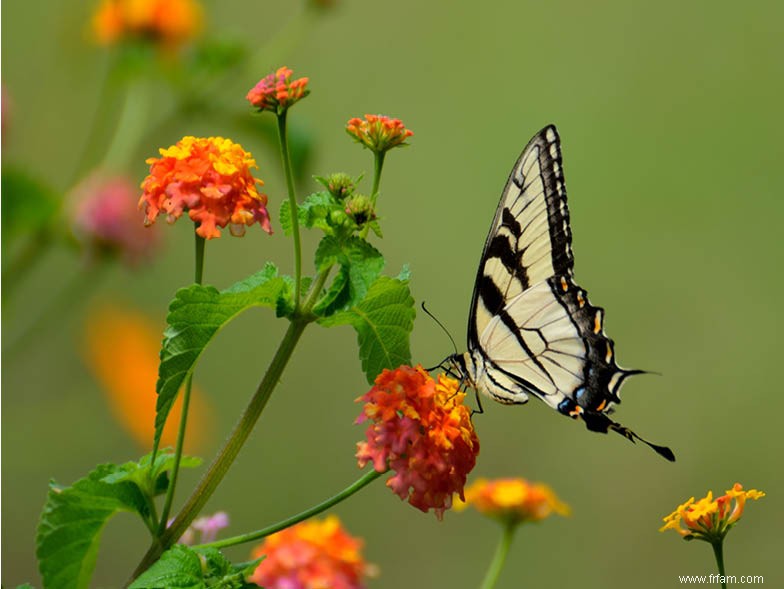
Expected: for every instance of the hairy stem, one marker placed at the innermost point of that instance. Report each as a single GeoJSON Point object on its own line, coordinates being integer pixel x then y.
{"type": "Point", "coordinates": [286, 158]}
{"type": "Point", "coordinates": [225, 458]}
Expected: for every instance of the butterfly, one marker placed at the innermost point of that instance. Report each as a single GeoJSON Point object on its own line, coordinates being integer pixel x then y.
{"type": "Point", "coordinates": [531, 328]}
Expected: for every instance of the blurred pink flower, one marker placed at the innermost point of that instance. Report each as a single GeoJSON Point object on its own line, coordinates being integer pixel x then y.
{"type": "Point", "coordinates": [207, 526]}
{"type": "Point", "coordinates": [106, 220]}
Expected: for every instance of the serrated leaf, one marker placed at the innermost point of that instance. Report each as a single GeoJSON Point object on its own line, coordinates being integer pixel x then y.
{"type": "Point", "coordinates": [178, 568]}
{"type": "Point", "coordinates": [71, 524]}
{"type": "Point", "coordinates": [314, 211]}
{"type": "Point", "coordinates": [195, 316]}
{"type": "Point", "coordinates": [383, 321]}
{"type": "Point", "coordinates": [360, 265]}
{"type": "Point", "coordinates": [193, 568]}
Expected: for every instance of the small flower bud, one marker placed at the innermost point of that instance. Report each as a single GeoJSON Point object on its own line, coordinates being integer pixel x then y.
{"type": "Point", "coordinates": [360, 209]}
{"type": "Point", "coordinates": [340, 185]}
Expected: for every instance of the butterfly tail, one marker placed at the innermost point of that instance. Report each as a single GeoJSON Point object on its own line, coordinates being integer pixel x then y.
{"type": "Point", "coordinates": [599, 422]}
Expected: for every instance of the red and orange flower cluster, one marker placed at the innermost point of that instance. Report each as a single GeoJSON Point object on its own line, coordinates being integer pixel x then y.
{"type": "Point", "coordinates": [513, 500]}
{"type": "Point", "coordinates": [277, 92]}
{"type": "Point", "coordinates": [170, 22]}
{"type": "Point", "coordinates": [421, 430]}
{"type": "Point", "coordinates": [710, 519]}
{"type": "Point", "coordinates": [312, 555]}
{"type": "Point", "coordinates": [211, 179]}
{"type": "Point", "coordinates": [378, 133]}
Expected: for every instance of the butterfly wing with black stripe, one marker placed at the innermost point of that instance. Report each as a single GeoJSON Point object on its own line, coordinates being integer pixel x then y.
{"type": "Point", "coordinates": [531, 329]}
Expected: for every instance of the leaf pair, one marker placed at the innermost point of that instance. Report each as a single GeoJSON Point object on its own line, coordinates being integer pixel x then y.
{"type": "Point", "coordinates": [74, 517]}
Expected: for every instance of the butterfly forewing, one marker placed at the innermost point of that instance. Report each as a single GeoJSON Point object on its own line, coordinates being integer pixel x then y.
{"type": "Point", "coordinates": [531, 329]}
{"type": "Point", "coordinates": [529, 239]}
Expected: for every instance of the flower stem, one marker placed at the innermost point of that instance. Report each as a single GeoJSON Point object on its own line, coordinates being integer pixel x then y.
{"type": "Point", "coordinates": [365, 480]}
{"type": "Point", "coordinates": [378, 164]}
{"type": "Point", "coordinates": [130, 127]}
{"type": "Point", "coordinates": [494, 571]}
{"type": "Point", "coordinates": [231, 448]}
{"type": "Point", "coordinates": [186, 400]}
{"type": "Point", "coordinates": [286, 158]}
{"type": "Point", "coordinates": [718, 552]}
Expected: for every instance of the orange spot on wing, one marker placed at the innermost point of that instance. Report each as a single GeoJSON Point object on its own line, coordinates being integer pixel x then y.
{"type": "Point", "coordinates": [597, 322]}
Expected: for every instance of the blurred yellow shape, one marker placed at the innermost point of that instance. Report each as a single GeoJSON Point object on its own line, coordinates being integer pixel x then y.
{"type": "Point", "coordinates": [122, 347]}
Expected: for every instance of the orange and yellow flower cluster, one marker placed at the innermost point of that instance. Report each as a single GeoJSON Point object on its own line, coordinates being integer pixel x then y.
{"type": "Point", "coordinates": [710, 519]}
{"type": "Point", "coordinates": [211, 179]}
{"type": "Point", "coordinates": [421, 430]}
{"type": "Point", "coordinates": [513, 500]}
{"type": "Point", "coordinates": [378, 133]}
{"type": "Point", "coordinates": [277, 92]}
{"type": "Point", "coordinates": [312, 555]}
{"type": "Point", "coordinates": [170, 22]}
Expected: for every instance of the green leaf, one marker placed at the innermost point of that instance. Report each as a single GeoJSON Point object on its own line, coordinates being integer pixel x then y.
{"type": "Point", "coordinates": [151, 479]}
{"type": "Point", "coordinates": [314, 211]}
{"type": "Point", "coordinates": [25, 586]}
{"type": "Point", "coordinates": [360, 265]}
{"type": "Point", "coordinates": [383, 321]}
{"type": "Point", "coordinates": [194, 568]}
{"type": "Point", "coordinates": [72, 521]}
{"type": "Point", "coordinates": [196, 315]}
{"type": "Point", "coordinates": [28, 205]}
{"type": "Point", "coordinates": [178, 568]}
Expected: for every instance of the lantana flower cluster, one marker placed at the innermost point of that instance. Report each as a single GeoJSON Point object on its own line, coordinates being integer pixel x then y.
{"type": "Point", "coordinates": [378, 133]}
{"type": "Point", "coordinates": [423, 432]}
{"type": "Point", "coordinates": [710, 519]}
{"type": "Point", "coordinates": [315, 554]}
{"type": "Point", "coordinates": [277, 92]}
{"type": "Point", "coordinates": [211, 179]}
{"type": "Point", "coordinates": [170, 22]}
{"type": "Point", "coordinates": [513, 500]}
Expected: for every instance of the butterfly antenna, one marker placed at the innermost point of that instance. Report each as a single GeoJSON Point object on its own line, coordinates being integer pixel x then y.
{"type": "Point", "coordinates": [441, 325]}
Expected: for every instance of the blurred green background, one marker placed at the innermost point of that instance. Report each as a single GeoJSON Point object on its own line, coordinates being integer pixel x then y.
{"type": "Point", "coordinates": [671, 122]}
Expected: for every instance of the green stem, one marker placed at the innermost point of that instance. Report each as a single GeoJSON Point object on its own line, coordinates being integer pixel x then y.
{"type": "Point", "coordinates": [365, 480]}
{"type": "Point", "coordinates": [186, 400]}
{"type": "Point", "coordinates": [130, 127]}
{"type": "Point", "coordinates": [286, 158]}
{"type": "Point", "coordinates": [494, 571]}
{"type": "Point", "coordinates": [231, 448]}
{"type": "Point", "coordinates": [718, 552]}
{"type": "Point", "coordinates": [378, 165]}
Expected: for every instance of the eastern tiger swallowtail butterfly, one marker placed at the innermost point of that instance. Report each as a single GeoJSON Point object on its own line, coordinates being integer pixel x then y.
{"type": "Point", "coordinates": [531, 329]}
